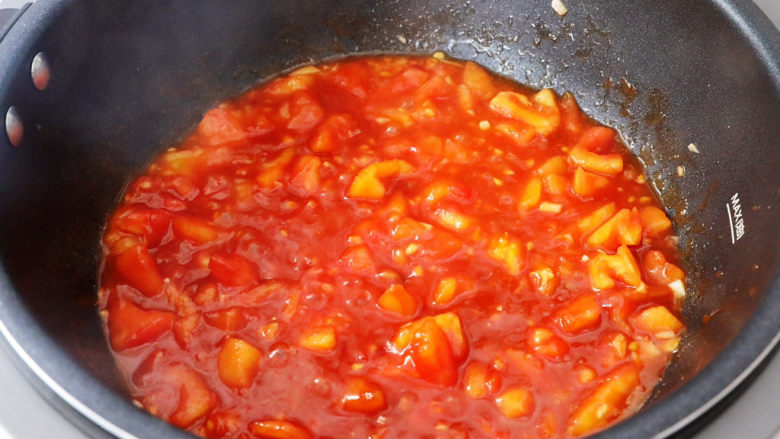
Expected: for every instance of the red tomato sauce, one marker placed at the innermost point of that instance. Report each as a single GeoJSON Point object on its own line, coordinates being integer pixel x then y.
{"type": "Point", "coordinates": [391, 247]}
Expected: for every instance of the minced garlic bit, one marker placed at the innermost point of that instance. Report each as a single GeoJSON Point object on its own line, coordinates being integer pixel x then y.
{"type": "Point", "coordinates": [484, 125]}
{"type": "Point", "coordinates": [548, 207]}
{"type": "Point", "coordinates": [438, 55]}
{"type": "Point", "coordinates": [559, 7]}
{"type": "Point", "coordinates": [681, 171]}
{"type": "Point", "coordinates": [411, 249]}
{"type": "Point", "coordinates": [402, 39]}
{"type": "Point", "coordinates": [498, 181]}
{"type": "Point", "coordinates": [692, 148]}
{"type": "Point", "coordinates": [678, 288]}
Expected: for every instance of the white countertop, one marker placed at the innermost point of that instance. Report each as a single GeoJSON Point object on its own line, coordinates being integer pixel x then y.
{"type": "Point", "coordinates": [24, 414]}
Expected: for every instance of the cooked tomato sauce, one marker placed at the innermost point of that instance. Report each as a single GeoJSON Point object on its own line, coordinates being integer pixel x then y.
{"type": "Point", "coordinates": [391, 247]}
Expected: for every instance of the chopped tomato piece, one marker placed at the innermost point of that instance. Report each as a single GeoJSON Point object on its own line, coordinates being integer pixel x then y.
{"type": "Point", "coordinates": [353, 77]}
{"type": "Point", "coordinates": [195, 398]}
{"type": "Point", "coordinates": [196, 230]}
{"type": "Point", "coordinates": [231, 319]}
{"type": "Point", "coordinates": [431, 89]}
{"type": "Point", "coordinates": [515, 402]}
{"type": "Point", "coordinates": [555, 184]}
{"type": "Point", "coordinates": [363, 396]}
{"type": "Point", "coordinates": [221, 124]}
{"type": "Point", "coordinates": [129, 325]}
{"type": "Point", "coordinates": [659, 271]}
{"type": "Point", "coordinates": [583, 313]}
{"type": "Point", "coordinates": [531, 194]}
{"type": "Point", "coordinates": [519, 132]}
{"type": "Point", "coordinates": [306, 114]}
{"type": "Point", "coordinates": [367, 183]}
{"type": "Point", "coordinates": [452, 219]}
{"type": "Point", "coordinates": [657, 320]}
{"type": "Point", "coordinates": [475, 380]}
{"type": "Point", "coordinates": [238, 362]}
{"type": "Point", "coordinates": [152, 225]}
{"type": "Point", "coordinates": [545, 342]}
{"type": "Point", "coordinates": [654, 221]}
{"type": "Point", "coordinates": [411, 78]}
{"type": "Point", "coordinates": [320, 339]}
{"type": "Point", "coordinates": [222, 424]}
{"type": "Point", "coordinates": [596, 218]}
{"type": "Point", "coordinates": [542, 114]}
{"type": "Point", "coordinates": [449, 287]}
{"type": "Point", "coordinates": [586, 184]}
{"type": "Point", "coordinates": [357, 258]}
{"type": "Point", "coordinates": [605, 269]}
{"type": "Point", "coordinates": [597, 139]}
{"type": "Point", "coordinates": [397, 300]}
{"type": "Point", "coordinates": [137, 266]}
{"type": "Point", "coordinates": [478, 80]}
{"type": "Point", "coordinates": [435, 345]}
{"type": "Point", "coordinates": [333, 132]}
{"type": "Point", "coordinates": [271, 171]}
{"type": "Point", "coordinates": [572, 119]}
{"type": "Point", "coordinates": [609, 164]}
{"type": "Point", "coordinates": [278, 430]}
{"type": "Point", "coordinates": [553, 165]}
{"type": "Point", "coordinates": [544, 280]}
{"type": "Point", "coordinates": [508, 252]}
{"type": "Point", "coordinates": [624, 228]}
{"type": "Point", "coordinates": [307, 173]}
{"type": "Point", "coordinates": [233, 270]}
{"type": "Point", "coordinates": [290, 84]}
{"type": "Point", "coordinates": [606, 402]}
{"type": "Point", "coordinates": [432, 355]}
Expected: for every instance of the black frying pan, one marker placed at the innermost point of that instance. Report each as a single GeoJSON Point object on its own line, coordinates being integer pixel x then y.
{"type": "Point", "coordinates": [128, 78]}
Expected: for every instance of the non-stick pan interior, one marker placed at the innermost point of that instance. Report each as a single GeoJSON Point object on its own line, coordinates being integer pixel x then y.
{"type": "Point", "coordinates": [129, 78]}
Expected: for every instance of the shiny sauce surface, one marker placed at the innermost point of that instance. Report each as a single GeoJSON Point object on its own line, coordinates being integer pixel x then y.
{"type": "Point", "coordinates": [392, 247]}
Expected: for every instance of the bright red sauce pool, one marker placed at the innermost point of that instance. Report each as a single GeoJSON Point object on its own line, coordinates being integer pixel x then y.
{"type": "Point", "coordinates": [392, 247]}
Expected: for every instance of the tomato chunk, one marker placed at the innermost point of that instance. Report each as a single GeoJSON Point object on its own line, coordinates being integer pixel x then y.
{"type": "Point", "coordinates": [195, 230]}
{"type": "Point", "coordinates": [238, 363]}
{"type": "Point", "coordinates": [278, 430]}
{"type": "Point", "coordinates": [130, 325]}
{"type": "Point", "coordinates": [435, 345]}
{"type": "Point", "coordinates": [396, 299]}
{"type": "Point", "coordinates": [583, 313]}
{"type": "Point", "coordinates": [605, 269]}
{"type": "Point", "coordinates": [137, 266]}
{"type": "Point", "coordinates": [363, 396]}
{"type": "Point", "coordinates": [233, 270]}
{"type": "Point", "coordinates": [515, 402]}
{"type": "Point", "coordinates": [606, 402]}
